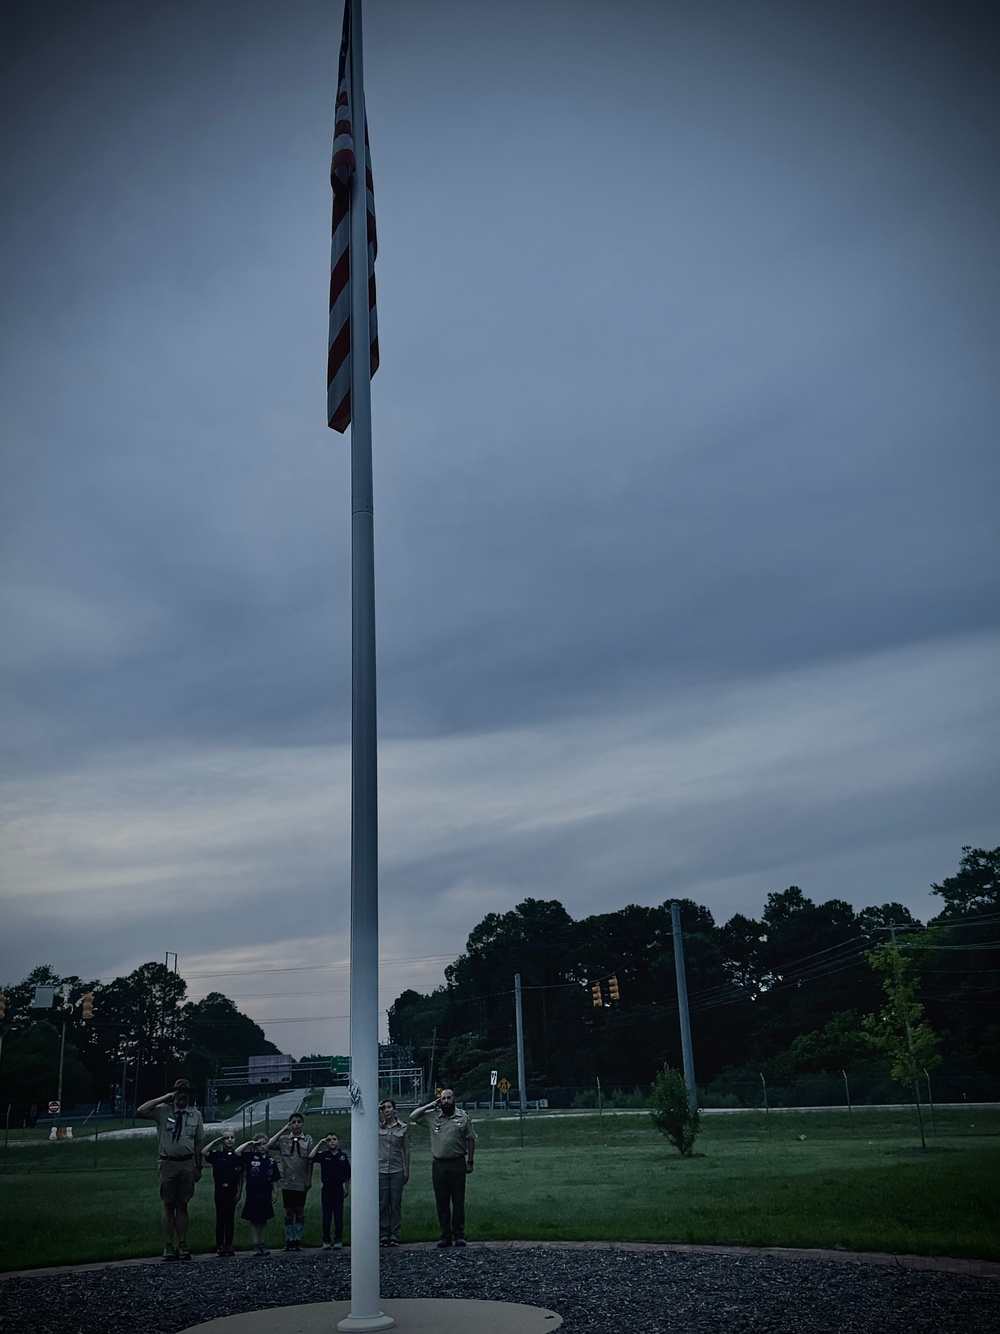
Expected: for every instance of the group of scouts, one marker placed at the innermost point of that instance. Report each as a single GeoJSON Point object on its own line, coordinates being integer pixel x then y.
{"type": "Point", "coordinates": [249, 1169]}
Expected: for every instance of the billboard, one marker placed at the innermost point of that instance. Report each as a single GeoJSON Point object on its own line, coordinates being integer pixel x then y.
{"type": "Point", "coordinates": [271, 1069]}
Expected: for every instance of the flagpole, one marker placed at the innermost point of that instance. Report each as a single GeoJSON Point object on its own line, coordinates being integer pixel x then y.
{"type": "Point", "coordinates": [365, 1312]}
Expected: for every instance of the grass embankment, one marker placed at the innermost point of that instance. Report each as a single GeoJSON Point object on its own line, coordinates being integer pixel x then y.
{"type": "Point", "coordinates": [790, 1180]}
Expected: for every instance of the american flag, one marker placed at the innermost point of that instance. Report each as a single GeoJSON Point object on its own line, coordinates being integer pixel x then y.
{"type": "Point", "coordinates": [342, 168]}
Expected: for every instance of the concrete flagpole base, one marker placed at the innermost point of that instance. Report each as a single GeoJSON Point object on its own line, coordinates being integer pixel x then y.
{"type": "Point", "coordinates": [359, 1324]}
{"type": "Point", "coordinates": [438, 1315]}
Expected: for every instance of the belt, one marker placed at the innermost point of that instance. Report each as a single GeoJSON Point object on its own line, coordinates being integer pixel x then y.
{"type": "Point", "coordinates": [176, 1157]}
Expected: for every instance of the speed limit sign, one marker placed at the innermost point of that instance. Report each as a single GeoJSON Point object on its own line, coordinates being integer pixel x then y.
{"type": "Point", "coordinates": [55, 1108]}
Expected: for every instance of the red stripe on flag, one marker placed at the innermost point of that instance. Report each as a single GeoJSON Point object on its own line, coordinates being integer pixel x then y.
{"type": "Point", "coordinates": [342, 168]}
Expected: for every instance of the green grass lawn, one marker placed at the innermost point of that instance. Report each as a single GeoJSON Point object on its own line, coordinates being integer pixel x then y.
{"type": "Point", "coordinates": [791, 1179]}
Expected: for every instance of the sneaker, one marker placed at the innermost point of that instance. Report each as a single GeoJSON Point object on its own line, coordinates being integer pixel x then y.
{"type": "Point", "coordinates": [460, 1241]}
{"type": "Point", "coordinates": [328, 1245]}
{"type": "Point", "coordinates": [383, 1241]}
{"type": "Point", "coordinates": [169, 1253]}
{"type": "Point", "coordinates": [182, 1252]}
{"type": "Point", "coordinates": [338, 1245]}
{"type": "Point", "coordinates": [288, 1246]}
{"type": "Point", "coordinates": [392, 1242]}
{"type": "Point", "coordinates": [221, 1250]}
{"type": "Point", "coordinates": [445, 1241]}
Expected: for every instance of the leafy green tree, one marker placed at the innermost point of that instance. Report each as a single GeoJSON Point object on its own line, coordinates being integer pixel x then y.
{"type": "Point", "coordinates": [629, 1041]}
{"type": "Point", "coordinates": [811, 961]}
{"type": "Point", "coordinates": [759, 990]}
{"type": "Point", "coordinates": [29, 1074]}
{"type": "Point", "coordinates": [960, 970]}
{"type": "Point", "coordinates": [216, 1035]}
{"type": "Point", "coordinates": [842, 1042]}
{"type": "Point", "coordinates": [466, 1065]}
{"type": "Point", "coordinates": [537, 939]}
{"type": "Point", "coordinates": [424, 1024]}
{"type": "Point", "coordinates": [975, 887]}
{"type": "Point", "coordinates": [138, 1026]}
{"type": "Point", "coordinates": [29, 1034]}
{"type": "Point", "coordinates": [740, 940]}
{"type": "Point", "coordinates": [878, 922]}
{"type": "Point", "coordinates": [900, 1031]}
{"type": "Point", "coordinates": [671, 1114]}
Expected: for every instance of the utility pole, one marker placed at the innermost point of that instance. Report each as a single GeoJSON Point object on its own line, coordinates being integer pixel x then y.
{"type": "Point", "coordinates": [434, 1047]}
{"type": "Point", "coordinates": [520, 1044]}
{"type": "Point", "coordinates": [682, 1007]}
{"type": "Point", "coordinates": [62, 1058]}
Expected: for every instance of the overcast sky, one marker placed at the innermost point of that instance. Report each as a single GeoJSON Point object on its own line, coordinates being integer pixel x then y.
{"type": "Point", "coordinates": [685, 464]}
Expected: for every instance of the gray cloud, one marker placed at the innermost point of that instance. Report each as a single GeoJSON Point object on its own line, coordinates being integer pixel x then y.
{"type": "Point", "coordinates": [687, 400]}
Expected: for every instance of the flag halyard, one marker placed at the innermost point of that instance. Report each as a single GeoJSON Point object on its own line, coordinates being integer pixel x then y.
{"type": "Point", "coordinates": [342, 169]}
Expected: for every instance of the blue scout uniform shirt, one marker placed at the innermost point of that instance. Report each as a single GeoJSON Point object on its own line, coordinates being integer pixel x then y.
{"type": "Point", "coordinates": [335, 1166]}
{"type": "Point", "coordinates": [262, 1172]}
{"type": "Point", "coordinates": [227, 1167]}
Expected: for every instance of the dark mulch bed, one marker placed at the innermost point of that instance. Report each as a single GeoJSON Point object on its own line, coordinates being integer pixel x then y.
{"type": "Point", "coordinates": [595, 1291]}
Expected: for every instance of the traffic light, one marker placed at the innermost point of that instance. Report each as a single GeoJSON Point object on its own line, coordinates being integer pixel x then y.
{"type": "Point", "coordinates": [595, 991]}
{"type": "Point", "coordinates": [3, 1005]}
{"type": "Point", "coordinates": [87, 1005]}
{"type": "Point", "coordinates": [613, 987]}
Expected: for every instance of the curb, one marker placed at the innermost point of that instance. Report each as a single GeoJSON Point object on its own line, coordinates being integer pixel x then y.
{"type": "Point", "coordinates": [988, 1269]}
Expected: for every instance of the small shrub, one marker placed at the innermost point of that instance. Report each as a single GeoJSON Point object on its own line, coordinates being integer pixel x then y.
{"type": "Point", "coordinates": [671, 1114]}
{"type": "Point", "coordinates": [620, 1099]}
{"type": "Point", "coordinates": [585, 1098]}
{"type": "Point", "coordinates": [721, 1100]}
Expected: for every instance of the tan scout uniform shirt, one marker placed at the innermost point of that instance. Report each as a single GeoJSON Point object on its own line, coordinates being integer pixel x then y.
{"type": "Point", "coordinates": [190, 1138]}
{"type": "Point", "coordinates": [449, 1134]}
{"type": "Point", "coordinates": [393, 1149]}
{"type": "Point", "coordinates": [295, 1167]}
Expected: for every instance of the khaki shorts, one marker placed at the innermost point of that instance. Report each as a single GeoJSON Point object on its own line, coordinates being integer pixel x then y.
{"type": "Point", "coordinates": [177, 1181]}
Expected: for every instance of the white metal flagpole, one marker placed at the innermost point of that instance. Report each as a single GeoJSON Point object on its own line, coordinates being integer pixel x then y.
{"type": "Point", "coordinates": [365, 1312]}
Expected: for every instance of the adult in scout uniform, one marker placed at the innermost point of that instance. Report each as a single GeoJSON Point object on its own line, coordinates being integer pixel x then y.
{"type": "Point", "coordinates": [180, 1136]}
{"type": "Point", "coordinates": [294, 1147]}
{"type": "Point", "coordinates": [453, 1146]}
{"type": "Point", "coordinates": [393, 1171]}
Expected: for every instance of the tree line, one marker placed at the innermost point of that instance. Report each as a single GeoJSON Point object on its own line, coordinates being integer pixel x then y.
{"type": "Point", "coordinates": [793, 992]}
{"type": "Point", "coordinates": [143, 1033]}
